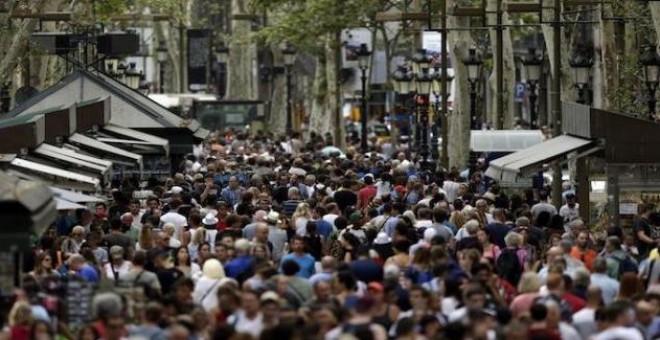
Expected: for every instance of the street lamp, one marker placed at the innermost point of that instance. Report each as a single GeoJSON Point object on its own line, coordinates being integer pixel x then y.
{"type": "Point", "coordinates": [423, 84]}
{"type": "Point", "coordinates": [363, 63]}
{"type": "Point", "coordinates": [651, 63]}
{"type": "Point", "coordinates": [581, 65]}
{"type": "Point", "coordinates": [473, 64]}
{"type": "Point", "coordinates": [532, 63]}
{"type": "Point", "coordinates": [438, 79]}
{"type": "Point", "coordinates": [162, 58]}
{"type": "Point", "coordinates": [289, 59]}
{"type": "Point", "coordinates": [132, 77]}
{"type": "Point", "coordinates": [121, 72]}
{"type": "Point", "coordinates": [111, 64]}
{"type": "Point", "coordinates": [222, 58]}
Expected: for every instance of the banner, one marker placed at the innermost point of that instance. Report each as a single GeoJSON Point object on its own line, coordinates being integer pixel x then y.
{"type": "Point", "coordinates": [199, 52]}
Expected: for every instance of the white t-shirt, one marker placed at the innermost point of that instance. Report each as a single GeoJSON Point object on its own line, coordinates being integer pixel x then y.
{"type": "Point", "coordinates": [617, 333]}
{"type": "Point", "coordinates": [244, 325]}
{"type": "Point", "coordinates": [179, 221]}
{"type": "Point", "coordinates": [123, 269]}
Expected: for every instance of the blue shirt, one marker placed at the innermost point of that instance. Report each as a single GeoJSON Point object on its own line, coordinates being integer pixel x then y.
{"type": "Point", "coordinates": [88, 274]}
{"type": "Point", "coordinates": [324, 228]}
{"type": "Point", "coordinates": [238, 266]}
{"type": "Point", "coordinates": [306, 262]}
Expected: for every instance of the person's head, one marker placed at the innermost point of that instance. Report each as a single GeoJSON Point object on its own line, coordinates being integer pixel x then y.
{"type": "Point", "coordinates": [474, 296]}
{"type": "Point", "coordinates": [555, 282]}
{"type": "Point", "coordinates": [204, 250]}
{"type": "Point", "coordinates": [600, 265]}
{"type": "Point", "coordinates": [41, 330]}
{"type": "Point", "coordinates": [419, 297]}
{"type": "Point", "coordinates": [594, 295]}
{"type": "Point", "coordinates": [619, 313]}
{"type": "Point", "coordinates": [344, 280]}
{"type": "Point", "coordinates": [261, 232]}
{"type": "Point", "coordinates": [290, 268]}
{"type": "Point", "coordinates": [645, 312]}
{"type": "Point", "coordinates": [233, 182]}
{"type": "Point", "coordinates": [76, 262]}
{"type": "Point", "coordinates": [612, 243]}
{"type": "Point", "coordinates": [529, 283]}
{"type": "Point", "coordinates": [513, 240]}
{"type": "Point", "coordinates": [471, 226]}
{"type": "Point", "coordinates": [553, 253]}
{"type": "Point", "coordinates": [298, 245]}
{"type": "Point", "coordinates": [213, 269]}
{"type": "Point", "coordinates": [293, 193]}
{"type": "Point", "coordinates": [322, 290]}
{"type": "Point", "coordinates": [582, 239]}
{"type": "Point", "coordinates": [78, 233]}
{"type": "Point", "coordinates": [630, 286]}
{"type": "Point", "coordinates": [250, 302]}
{"type": "Point", "coordinates": [554, 313]}
{"type": "Point", "coordinates": [242, 247]}
{"type": "Point", "coordinates": [483, 236]}
{"type": "Point", "coordinates": [182, 257]}
{"type": "Point", "coordinates": [106, 306]}
{"type": "Point", "coordinates": [43, 262]}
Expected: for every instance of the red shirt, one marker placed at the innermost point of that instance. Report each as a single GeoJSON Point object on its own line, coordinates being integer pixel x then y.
{"type": "Point", "coordinates": [365, 195]}
{"type": "Point", "coordinates": [574, 301]}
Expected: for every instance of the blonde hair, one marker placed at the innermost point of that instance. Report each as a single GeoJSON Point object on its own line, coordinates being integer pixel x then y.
{"type": "Point", "coordinates": [213, 269]}
{"type": "Point", "coordinates": [302, 210]}
{"type": "Point", "coordinates": [530, 282]}
{"type": "Point", "coordinates": [198, 236]}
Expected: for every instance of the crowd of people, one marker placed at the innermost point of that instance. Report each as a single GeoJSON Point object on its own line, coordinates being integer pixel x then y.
{"type": "Point", "coordinates": [256, 238]}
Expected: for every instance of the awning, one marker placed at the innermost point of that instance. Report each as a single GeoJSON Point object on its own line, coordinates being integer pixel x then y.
{"type": "Point", "coordinates": [506, 169]}
{"type": "Point", "coordinates": [54, 153]}
{"type": "Point", "coordinates": [135, 137]}
{"type": "Point", "coordinates": [62, 204]}
{"type": "Point", "coordinates": [46, 171]}
{"type": "Point", "coordinates": [73, 196]}
{"type": "Point", "coordinates": [504, 140]}
{"type": "Point", "coordinates": [80, 156]}
{"type": "Point", "coordinates": [88, 142]}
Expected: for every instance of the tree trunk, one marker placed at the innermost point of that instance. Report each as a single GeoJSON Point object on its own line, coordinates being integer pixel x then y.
{"type": "Point", "coordinates": [334, 95]}
{"type": "Point", "coordinates": [278, 96]}
{"type": "Point", "coordinates": [654, 7]}
{"type": "Point", "coordinates": [242, 56]}
{"type": "Point", "coordinates": [458, 43]}
{"type": "Point", "coordinates": [14, 44]}
{"type": "Point", "coordinates": [319, 119]}
{"type": "Point", "coordinates": [507, 118]}
{"type": "Point", "coordinates": [568, 92]}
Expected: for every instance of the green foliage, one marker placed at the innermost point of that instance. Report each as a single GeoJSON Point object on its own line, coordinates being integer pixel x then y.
{"type": "Point", "coordinates": [305, 23]}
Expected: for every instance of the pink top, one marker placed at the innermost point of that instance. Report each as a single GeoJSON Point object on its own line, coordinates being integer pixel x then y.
{"type": "Point", "coordinates": [522, 303]}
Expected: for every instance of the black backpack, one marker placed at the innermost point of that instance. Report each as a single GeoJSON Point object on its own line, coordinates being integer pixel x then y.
{"type": "Point", "coordinates": [508, 266]}
{"type": "Point", "coordinates": [626, 265]}
{"type": "Point", "coordinates": [360, 331]}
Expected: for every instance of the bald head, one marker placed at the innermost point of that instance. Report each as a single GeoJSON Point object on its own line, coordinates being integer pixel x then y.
{"type": "Point", "coordinates": [328, 263]}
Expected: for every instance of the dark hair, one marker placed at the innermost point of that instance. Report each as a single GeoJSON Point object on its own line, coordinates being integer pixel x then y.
{"type": "Point", "coordinates": [440, 215]}
{"type": "Point", "coordinates": [290, 267]}
{"type": "Point", "coordinates": [176, 256]}
{"type": "Point", "coordinates": [139, 258]}
{"type": "Point", "coordinates": [538, 312]}
{"type": "Point", "coordinates": [347, 278]}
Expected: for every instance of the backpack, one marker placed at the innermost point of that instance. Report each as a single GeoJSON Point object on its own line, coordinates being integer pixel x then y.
{"type": "Point", "coordinates": [626, 265]}
{"type": "Point", "coordinates": [508, 266]}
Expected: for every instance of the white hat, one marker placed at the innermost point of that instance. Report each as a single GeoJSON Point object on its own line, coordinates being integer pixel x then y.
{"type": "Point", "coordinates": [489, 196]}
{"type": "Point", "coordinates": [210, 220]}
{"type": "Point", "coordinates": [176, 189]}
{"type": "Point", "coordinates": [382, 238]}
{"type": "Point", "coordinates": [273, 217]}
{"type": "Point", "coordinates": [269, 296]}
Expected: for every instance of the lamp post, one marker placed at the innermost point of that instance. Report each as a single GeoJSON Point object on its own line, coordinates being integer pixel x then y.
{"type": "Point", "coordinates": [363, 63]}
{"type": "Point", "coordinates": [222, 57]}
{"type": "Point", "coordinates": [289, 58]}
{"type": "Point", "coordinates": [438, 79]}
{"type": "Point", "coordinates": [132, 77]}
{"type": "Point", "coordinates": [121, 72]}
{"type": "Point", "coordinates": [402, 79]}
{"type": "Point", "coordinates": [473, 64]}
{"type": "Point", "coordinates": [581, 66]}
{"type": "Point", "coordinates": [532, 63]}
{"type": "Point", "coordinates": [111, 64]}
{"type": "Point", "coordinates": [162, 58]}
{"type": "Point", "coordinates": [423, 83]}
{"type": "Point", "coordinates": [651, 65]}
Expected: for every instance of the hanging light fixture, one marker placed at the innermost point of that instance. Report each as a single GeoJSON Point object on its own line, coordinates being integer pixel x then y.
{"type": "Point", "coordinates": [132, 77]}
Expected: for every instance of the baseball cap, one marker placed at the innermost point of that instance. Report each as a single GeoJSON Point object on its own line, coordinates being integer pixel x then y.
{"type": "Point", "coordinates": [376, 286]}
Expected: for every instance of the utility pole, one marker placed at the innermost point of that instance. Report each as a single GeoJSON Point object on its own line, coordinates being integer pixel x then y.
{"type": "Point", "coordinates": [444, 88]}
{"type": "Point", "coordinates": [556, 100]}
{"type": "Point", "coordinates": [499, 68]}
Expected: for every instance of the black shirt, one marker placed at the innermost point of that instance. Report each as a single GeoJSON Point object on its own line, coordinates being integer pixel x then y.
{"type": "Point", "coordinates": [345, 198]}
{"type": "Point", "coordinates": [167, 277]}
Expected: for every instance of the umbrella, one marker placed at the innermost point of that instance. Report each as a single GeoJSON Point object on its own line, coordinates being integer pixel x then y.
{"type": "Point", "coordinates": [74, 196]}
{"type": "Point", "coordinates": [62, 204]}
{"type": "Point", "coordinates": [330, 150]}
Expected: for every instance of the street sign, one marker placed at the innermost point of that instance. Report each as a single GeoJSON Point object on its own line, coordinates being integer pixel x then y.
{"type": "Point", "coordinates": [520, 92]}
